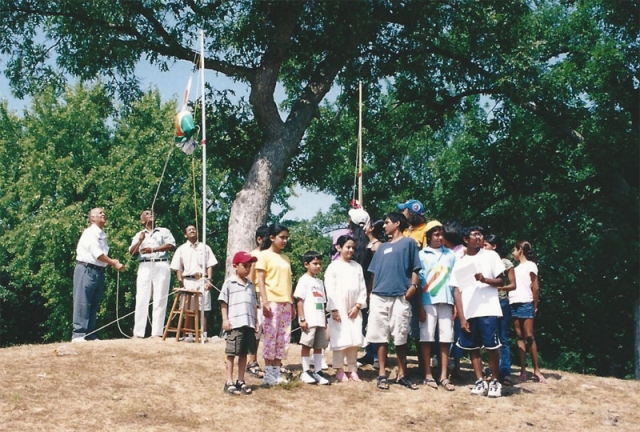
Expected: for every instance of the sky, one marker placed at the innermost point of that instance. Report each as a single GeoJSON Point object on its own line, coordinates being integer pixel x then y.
{"type": "Point", "coordinates": [172, 85]}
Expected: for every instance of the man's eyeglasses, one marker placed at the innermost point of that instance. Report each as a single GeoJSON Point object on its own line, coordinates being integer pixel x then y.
{"type": "Point", "coordinates": [476, 234]}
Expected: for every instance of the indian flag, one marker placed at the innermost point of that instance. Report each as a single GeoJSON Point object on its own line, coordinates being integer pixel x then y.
{"type": "Point", "coordinates": [437, 278]}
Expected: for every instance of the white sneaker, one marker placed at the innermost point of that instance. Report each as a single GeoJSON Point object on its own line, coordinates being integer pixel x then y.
{"type": "Point", "coordinates": [280, 379]}
{"type": "Point", "coordinates": [307, 377]}
{"type": "Point", "coordinates": [189, 339]}
{"type": "Point", "coordinates": [320, 378]}
{"type": "Point", "coordinates": [495, 389]}
{"type": "Point", "coordinates": [78, 340]}
{"type": "Point", "coordinates": [269, 376]}
{"type": "Point", "coordinates": [480, 388]}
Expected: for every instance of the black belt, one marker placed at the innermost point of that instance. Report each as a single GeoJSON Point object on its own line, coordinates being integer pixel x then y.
{"type": "Point", "coordinates": [91, 266]}
{"type": "Point", "coordinates": [153, 260]}
{"type": "Point", "coordinates": [192, 277]}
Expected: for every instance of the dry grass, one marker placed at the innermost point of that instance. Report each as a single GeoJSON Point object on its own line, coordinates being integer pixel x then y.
{"type": "Point", "coordinates": [129, 385]}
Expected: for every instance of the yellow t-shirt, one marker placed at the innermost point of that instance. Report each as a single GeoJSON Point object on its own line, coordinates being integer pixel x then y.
{"type": "Point", "coordinates": [419, 234]}
{"type": "Point", "coordinates": [277, 281]}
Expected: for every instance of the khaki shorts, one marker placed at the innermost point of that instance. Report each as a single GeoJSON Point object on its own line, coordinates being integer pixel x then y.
{"type": "Point", "coordinates": [388, 317]}
{"type": "Point", "coordinates": [439, 315]}
{"type": "Point", "coordinates": [314, 337]}
{"type": "Point", "coordinates": [196, 285]}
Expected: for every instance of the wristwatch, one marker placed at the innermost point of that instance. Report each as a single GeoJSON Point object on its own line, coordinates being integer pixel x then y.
{"type": "Point", "coordinates": [302, 319]}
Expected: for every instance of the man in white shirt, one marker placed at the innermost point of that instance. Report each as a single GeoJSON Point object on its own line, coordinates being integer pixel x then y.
{"type": "Point", "coordinates": [151, 246]}
{"type": "Point", "coordinates": [476, 279]}
{"type": "Point", "coordinates": [189, 267]}
{"type": "Point", "coordinates": [92, 257]}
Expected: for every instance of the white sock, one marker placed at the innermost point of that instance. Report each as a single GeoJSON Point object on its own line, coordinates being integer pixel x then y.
{"type": "Point", "coordinates": [306, 363]}
{"type": "Point", "coordinates": [317, 362]}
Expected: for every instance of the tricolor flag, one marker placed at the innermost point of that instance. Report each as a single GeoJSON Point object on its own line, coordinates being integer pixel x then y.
{"type": "Point", "coordinates": [185, 126]}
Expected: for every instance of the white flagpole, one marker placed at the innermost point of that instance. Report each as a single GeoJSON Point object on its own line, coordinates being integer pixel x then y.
{"type": "Point", "coordinates": [204, 188]}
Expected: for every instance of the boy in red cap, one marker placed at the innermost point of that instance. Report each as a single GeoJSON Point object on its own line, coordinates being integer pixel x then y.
{"type": "Point", "coordinates": [238, 307]}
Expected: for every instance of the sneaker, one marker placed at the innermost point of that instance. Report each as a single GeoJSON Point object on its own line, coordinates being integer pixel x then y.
{"type": "Point", "coordinates": [480, 388]}
{"type": "Point", "coordinates": [78, 340]}
{"type": "Point", "coordinates": [270, 378]}
{"type": "Point", "coordinates": [321, 378]}
{"type": "Point", "coordinates": [307, 377]}
{"type": "Point", "coordinates": [353, 376]}
{"type": "Point", "coordinates": [189, 339]}
{"type": "Point", "coordinates": [280, 379]}
{"type": "Point", "coordinates": [375, 364]}
{"type": "Point", "coordinates": [495, 389]}
{"type": "Point", "coordinates": [341, 377]}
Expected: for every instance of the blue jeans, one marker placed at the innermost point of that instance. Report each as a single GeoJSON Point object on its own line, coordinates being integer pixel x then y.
{"type": "Point", "coordinates": [503, 335]}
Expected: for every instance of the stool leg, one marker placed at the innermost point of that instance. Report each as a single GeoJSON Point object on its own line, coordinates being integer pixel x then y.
{"type": "Point", "coordinates": [171, 315]}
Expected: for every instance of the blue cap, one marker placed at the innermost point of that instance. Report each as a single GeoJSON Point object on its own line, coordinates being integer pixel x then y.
{"type": "Point", "coordinates": [413, 205]}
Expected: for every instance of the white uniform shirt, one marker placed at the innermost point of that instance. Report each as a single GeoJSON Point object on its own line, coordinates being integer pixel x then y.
{"type": "Point", "coordinates": [92, 244]}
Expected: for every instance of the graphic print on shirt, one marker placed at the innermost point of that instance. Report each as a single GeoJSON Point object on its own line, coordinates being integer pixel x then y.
{"type": "Point", "coordinates": [436, 279]}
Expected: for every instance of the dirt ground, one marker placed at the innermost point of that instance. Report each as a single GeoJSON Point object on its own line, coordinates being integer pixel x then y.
{"type": "Point", "coordinates": [151, 385]}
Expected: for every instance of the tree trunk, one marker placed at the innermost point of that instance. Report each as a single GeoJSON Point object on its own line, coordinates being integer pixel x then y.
{"type": "Point", "coordinates": [636, 345]}
{"type": "Point", "coordinates": [251, 206]}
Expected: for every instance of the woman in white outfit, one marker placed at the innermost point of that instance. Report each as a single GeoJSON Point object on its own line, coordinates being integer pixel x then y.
{"type": "Point", "coordinates": [346, 296]}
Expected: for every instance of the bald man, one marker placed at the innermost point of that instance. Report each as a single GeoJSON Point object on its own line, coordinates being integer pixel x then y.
{"type": "Point", "coordinates": [92, 257]}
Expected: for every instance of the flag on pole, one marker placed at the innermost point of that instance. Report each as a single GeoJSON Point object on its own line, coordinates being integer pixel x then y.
{"type": "Point", "coordinates": [185, 126]}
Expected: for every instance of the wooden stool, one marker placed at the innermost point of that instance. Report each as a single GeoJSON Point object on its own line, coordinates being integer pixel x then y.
{"type": "Point", "coordinates": [185, 305]}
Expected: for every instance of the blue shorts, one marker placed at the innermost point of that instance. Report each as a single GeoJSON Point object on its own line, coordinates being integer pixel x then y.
{"type": "Point", "coordinates": [483, 334]}
{"type": "Point", "coordinates": [522, 310]}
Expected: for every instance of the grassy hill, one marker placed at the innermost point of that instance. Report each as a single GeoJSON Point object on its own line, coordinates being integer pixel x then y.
{"type": "Point", "coordinates": [151, 385]}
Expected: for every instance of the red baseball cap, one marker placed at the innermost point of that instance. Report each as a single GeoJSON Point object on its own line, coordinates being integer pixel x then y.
{"type": "Point", "coordinates": [243, 257]}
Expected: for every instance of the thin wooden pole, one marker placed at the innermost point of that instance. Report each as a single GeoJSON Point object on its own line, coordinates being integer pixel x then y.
{"type": "Point", "coordinates": [360, 146]}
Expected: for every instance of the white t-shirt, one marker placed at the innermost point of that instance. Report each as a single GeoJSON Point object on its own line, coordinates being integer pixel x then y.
{"type": "Point", "coordinates": [523, 292]}
{"type": "Point", "coordinates": [478, 299]}
{"type": "Point", "coordinates": [311, 290]}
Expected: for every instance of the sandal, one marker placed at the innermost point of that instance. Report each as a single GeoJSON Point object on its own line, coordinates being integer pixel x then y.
{"type": "Point", "coordinates": [382, 382]}
{"type": "Point", "coordinates": [523, 377]}
{"type": "Point", "coordinates": [254, 369]}
{"type": "Point", "coordinates": [446, 384]}
{"type": "Point", "coordinates": [405, 382]}
{"type": "Point", "coordinates": [243, 387]}
{"type": "Point", "coordinates": [231, 389]}
{"type": "Point", "coordinates": [539, 378]}
{"type": "Point", "coordinates": [430, 382]}
{"type": "Point", "coordinates": [506, 382]}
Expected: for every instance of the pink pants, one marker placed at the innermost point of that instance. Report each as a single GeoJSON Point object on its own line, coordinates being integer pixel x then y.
{"type": "Point", "coordinates": [277, 331]}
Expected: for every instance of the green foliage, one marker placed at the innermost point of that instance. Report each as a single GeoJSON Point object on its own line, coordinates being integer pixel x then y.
{"type": "Point", "coordinates": [70, 154]}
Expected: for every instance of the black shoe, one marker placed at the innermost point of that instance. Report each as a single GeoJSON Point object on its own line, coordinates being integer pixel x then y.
{"type": "Point", "coordinates": [366, 359]}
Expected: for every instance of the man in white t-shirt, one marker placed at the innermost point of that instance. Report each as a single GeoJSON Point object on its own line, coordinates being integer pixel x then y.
{"type": "Point", "coordinates": [476, 279]}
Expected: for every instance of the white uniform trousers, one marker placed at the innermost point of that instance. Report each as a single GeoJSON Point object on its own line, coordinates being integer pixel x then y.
{"type": "Point", "coordinates": [153, 277]}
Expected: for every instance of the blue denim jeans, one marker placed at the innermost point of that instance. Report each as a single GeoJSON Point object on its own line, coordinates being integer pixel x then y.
{"type": "Point", "coordinates": [503, 335]}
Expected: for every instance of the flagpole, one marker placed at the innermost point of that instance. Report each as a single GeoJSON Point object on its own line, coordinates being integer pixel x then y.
{"type": "Point", "coordinates": [360, 145]}
{"type": "Point", "coordinates": [204, 188]}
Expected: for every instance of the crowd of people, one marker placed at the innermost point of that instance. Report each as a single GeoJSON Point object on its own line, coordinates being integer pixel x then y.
{"type": "Point", "coordinates": [449, 289]}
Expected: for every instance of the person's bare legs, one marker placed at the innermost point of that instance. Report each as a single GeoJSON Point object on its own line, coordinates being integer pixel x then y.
{"type": "Point", "coordinates": [494, 363]}
{"type": "Point", "coordinates": [229, 363]}
{"type": "Point", "coordinates": [522, 349]}
{"type": "Point", "coordinates": [383, 349]}
{"type": "Point", "coordinates": [530, 342]}
{"type": "Point", "coordinates": [401, 355]}
{"type": "Point", "coordinates": [476, 362]}
{"type": "Point", "coordinates": [444, 360]}
{"type": "Point", "coordinates": [242, 365]}
{"type": "Point", "coordinates": [425, 359]}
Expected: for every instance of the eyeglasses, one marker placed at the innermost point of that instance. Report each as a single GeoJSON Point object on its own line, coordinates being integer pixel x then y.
{"type": "Point", "coordinates": [476, 235]}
